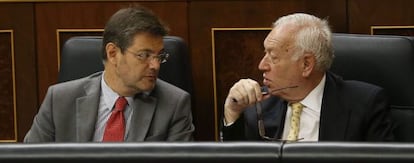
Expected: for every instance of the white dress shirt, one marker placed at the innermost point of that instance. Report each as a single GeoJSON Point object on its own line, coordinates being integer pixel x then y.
{"type": "Point", "coordinates": [310, 117]}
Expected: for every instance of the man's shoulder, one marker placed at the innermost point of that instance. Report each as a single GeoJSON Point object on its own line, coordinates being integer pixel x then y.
{"type": "Point", "coordinates": [78, 84]}
{"type": "Point", "coordinates": [164, 86]}
{"type": "Point", "coordinates": [347, 88]}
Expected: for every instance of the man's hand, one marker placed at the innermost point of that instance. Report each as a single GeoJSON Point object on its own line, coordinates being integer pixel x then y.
{"type": "Point", "coordinates": [242, 94]}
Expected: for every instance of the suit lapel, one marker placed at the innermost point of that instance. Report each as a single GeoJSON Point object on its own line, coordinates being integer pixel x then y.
{"type": "Point", "coordinates": [281, 116]}
{"type": "Point", "coordinates": [334, 117]}
{"type": "Point", "coordinates": [87, 110]}
{"type": "Point", "coordinates": [141, 117]}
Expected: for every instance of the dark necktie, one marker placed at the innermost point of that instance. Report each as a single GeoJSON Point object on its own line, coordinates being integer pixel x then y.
{"type": "Point", "coordinates": [115, 126]}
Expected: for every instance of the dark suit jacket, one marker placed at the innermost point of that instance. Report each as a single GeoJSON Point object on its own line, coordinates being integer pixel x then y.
{"type": "Point", "coordinates": [351, 111]}
{"type": "Point", "coordinates": [69, 112]}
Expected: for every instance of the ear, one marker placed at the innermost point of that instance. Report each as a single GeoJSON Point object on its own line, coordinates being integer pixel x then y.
{"type": "Point", "coordinates": [309, 63]}
{"type": "Point", "coordinates": [111, 51]}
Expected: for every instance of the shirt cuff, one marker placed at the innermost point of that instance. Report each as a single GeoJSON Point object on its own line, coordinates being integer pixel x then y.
{"type": "Point", "coordinates": [227, 124]}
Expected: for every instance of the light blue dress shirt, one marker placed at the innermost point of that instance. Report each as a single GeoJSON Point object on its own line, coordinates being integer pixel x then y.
{"type": "Point", "coordinates": [106, 105]}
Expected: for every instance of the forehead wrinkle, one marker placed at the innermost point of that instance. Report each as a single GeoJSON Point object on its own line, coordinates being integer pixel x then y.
{"type": "Point", "coordinates": [282, 42]}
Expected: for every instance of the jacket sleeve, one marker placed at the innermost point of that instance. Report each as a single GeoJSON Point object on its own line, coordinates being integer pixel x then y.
{"type": "Point", "coordinates": [234, 132]}
{"type": "Point", "coordinates": [42, 129]}
{"type": "Point", "coordinates": [380, 124]}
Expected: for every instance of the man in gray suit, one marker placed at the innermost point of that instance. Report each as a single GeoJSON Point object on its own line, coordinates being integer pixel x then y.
{"type": "Point", "coordinates": [78, 111]}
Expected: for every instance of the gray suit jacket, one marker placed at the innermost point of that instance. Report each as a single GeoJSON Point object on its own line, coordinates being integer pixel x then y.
{"type": "Point", "coordinates": [69, 112]}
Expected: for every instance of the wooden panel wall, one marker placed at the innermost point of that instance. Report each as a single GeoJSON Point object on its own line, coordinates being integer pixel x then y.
{"type": "Point", "coordinates": [18, 18]}
{"type": "Point", "coordinates": [35, 25]}
{"type": "Point", "coordinates": [7, 85]}
{"type": "Point", "coordinates": [234, 60]}
{"type": "Point", "coordinates": [364, 14]}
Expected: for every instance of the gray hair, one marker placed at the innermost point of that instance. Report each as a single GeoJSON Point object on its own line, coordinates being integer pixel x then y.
{"type": "Point", "coordinates": [312, 35]}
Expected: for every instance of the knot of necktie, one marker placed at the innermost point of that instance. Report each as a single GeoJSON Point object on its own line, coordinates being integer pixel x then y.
{"type": "Point", "coordinates": [297, 107]}
{"type": "Point", "coordinates": [120, 104]}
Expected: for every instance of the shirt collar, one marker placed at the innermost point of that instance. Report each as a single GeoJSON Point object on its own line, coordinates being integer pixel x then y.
{"type": "Point", "coordinates": [313, 100]}
{"type": "Point", "coordinates": [111, 96]}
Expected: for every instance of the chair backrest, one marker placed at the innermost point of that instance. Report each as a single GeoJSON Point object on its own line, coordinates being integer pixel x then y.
{"type": "Point", "coordinates": [82, 56]}
{"type": "Point", "coordinates": [386, 61]}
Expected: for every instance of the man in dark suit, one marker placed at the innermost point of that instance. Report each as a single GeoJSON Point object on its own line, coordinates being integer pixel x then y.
{"type": "Point", "coordinates": [125, 102]}
{"type": "Point", "coordinates": [298, 54]}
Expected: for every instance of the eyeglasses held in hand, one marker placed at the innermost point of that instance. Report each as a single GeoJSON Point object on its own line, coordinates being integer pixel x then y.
{"type": "Point", "coordinates": [260, 122]}
{"type": "Point", "coordinates": [262, 130]}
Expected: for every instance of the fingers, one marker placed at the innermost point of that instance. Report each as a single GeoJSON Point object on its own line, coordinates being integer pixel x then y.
{"type": "Point", "coordinates": [252, 90]}
{"type": "Point", "coordinates": [245, 92]}
{"type": "Point", "coordinates": [242, 94]}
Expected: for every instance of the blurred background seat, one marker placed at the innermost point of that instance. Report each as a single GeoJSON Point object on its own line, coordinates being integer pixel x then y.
{"type": "Point", "coordinates": [386, 61]}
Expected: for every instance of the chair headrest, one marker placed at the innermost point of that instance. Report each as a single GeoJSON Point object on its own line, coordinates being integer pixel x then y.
{"type": "Point", "coordinates": [387, 61]}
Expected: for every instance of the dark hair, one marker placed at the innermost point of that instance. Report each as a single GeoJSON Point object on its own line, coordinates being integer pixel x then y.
{"type": "Point", "coordinates": [127, 22]}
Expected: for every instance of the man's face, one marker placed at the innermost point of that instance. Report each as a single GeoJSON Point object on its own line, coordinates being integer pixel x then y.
{"type": "Point", "coordinates": [136, 72]}
{"type": "Point", "coordinates": [279, 68]}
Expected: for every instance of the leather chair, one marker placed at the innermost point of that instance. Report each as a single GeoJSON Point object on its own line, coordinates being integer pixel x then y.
{"type": "Point", "coordinates": [82, 56]}
{"type": "Point", "coordinates": [386, 61]}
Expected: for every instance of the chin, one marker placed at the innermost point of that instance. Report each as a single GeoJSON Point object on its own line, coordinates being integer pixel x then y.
{"type": "Point", "coordinates": [148, 86]}
{"type": "Point", "coordinates": [144, 85]}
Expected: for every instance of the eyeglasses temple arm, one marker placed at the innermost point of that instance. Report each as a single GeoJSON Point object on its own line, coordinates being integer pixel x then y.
{"type": "Point", "coordinates": [260, 122]}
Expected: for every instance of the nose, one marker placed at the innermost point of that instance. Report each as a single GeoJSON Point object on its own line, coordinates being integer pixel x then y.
{"type": "Point", "coordinates": [154, 63]}
{"type": "Point", "coordinates": [263, 65]}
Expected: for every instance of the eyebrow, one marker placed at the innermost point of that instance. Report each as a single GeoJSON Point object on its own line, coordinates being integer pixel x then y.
{"type": "Point", "coordinates": [148, 50]}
